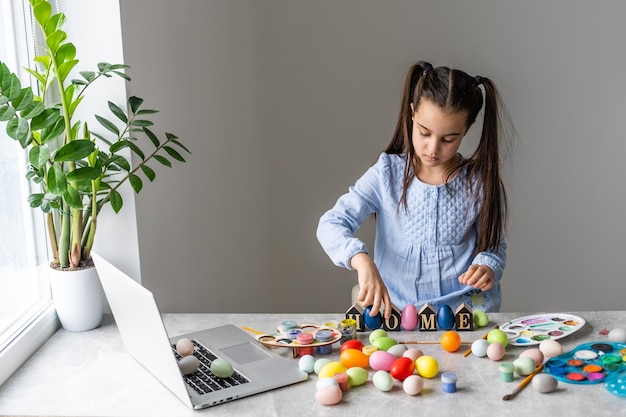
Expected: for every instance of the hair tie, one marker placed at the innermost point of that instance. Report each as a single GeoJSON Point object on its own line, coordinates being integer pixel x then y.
{"type": "Point", "coordinates": [425, 68]}
{"type": "Point", "coordinates": [478, 80]}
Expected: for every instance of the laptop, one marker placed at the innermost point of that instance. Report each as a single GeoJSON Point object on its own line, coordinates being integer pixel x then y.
{"type": "Point", "coordinates": [256, 368]}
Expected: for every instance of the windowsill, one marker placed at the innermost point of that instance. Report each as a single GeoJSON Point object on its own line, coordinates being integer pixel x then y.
{"type": "Point", "coordinates": [27, 343]}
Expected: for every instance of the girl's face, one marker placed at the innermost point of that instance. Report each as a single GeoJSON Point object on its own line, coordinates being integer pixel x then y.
{"type": "Point", "coordinates": [437, 135]}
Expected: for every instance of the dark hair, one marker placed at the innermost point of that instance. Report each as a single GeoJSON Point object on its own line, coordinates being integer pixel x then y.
{"type": "Point", "coordinates": [457, 91]}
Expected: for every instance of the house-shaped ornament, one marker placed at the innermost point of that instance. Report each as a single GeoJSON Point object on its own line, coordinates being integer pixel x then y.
{"type": "Point", "coordinates": [427, 318]}
{"type": "Point", "coordinates": [463, 318]}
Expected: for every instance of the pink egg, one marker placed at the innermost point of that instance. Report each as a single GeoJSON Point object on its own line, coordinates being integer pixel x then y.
{"type": "Point", "coordinates": [495, 351]}
{"type": "Point", "coordinates": [535, 354]}
{"type": "Point", "coordinates": [408, 318]}
{"type": "Point", "coordinates": [381, 360]}
{"type": "Point", "coordinates": [329, 395]}
{"type": "Point", "coordinates": [184, 347]}
{"type": "Point", "coordinates": [413, 353]}
{"type": "Point", "coordinates": [413, 384]}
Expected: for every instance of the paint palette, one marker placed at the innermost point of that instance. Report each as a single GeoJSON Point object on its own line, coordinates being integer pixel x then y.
{"type": "Point", "coordinates": [287, 339]}
{"type": "Point", "coordinates": [532, 330]}
{"type": "Point", "coordinates": [592, 363]}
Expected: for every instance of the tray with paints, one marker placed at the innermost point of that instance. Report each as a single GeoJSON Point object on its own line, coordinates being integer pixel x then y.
{"type": "Point", "coordinates": [590, 363]}
{"type": "Point", "coordinates": [532, 330]}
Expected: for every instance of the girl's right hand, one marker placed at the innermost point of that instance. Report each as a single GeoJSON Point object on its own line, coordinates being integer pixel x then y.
{"type": "Point", "coordinates": [372, 289]}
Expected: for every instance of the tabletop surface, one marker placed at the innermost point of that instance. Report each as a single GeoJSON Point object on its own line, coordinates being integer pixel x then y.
{"type": "Point", "coordinates": [91, 374]}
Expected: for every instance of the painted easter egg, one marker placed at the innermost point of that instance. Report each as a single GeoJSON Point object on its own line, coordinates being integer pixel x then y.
{"type": "Point", "coordinates": [331, 369]}
{"type": "Point", "coordinates": [381, 360]}
{"type": "Point", "coordinates": [445, 317]}
{"type": "Point", "coordinates": [427, 366]}
{"type": "Point", "coordinates": [450, 341]}
{"type": "Point", "coordinates": [544, 383]}
{"type": "Point", "coordinates": [495, 351]}
{"type": "Point", "coordinates": [357, 376]}
{"type": "Point", "coordinates": [413, 353]}
{"type": "Point", "coordinates": [325, 382]}
{"type": "Point", "coordinates": [351, 344]}
{"type": "Point", "coordinates": [329, 395]}
{"type": "Point", "coordinates": [375, 334]}
{"type": "Point", "coordinates": [535, 354]}
{"type": "Point", "coordinates": [188, 365]}
{"type": "Point", "coordinates": [497, 335]}
{"type": "Point", "coordinates": [413, 384]}
{"type": "Point", "coordinates": [185, 347]}
{"type": "Point", "coordinates": [319, 364]}
{"type": "Point", "coordinates": [382, 380]}
{"type": "Point", "coordinates": [618, 335]}
{"type": "Point", "coordinates": [401, 368]}
{"type": "Point", "coordinates": [524, 366]}
{"type": "Point", "coordinates": [353, 357]}
{"type": "Point", "coordinates": [397, 350]}
{"type": "Point", "coordinates": [372, 322]}
{"type": "Point", "coordinates": [384, 343]}
{"type": "Point", "coordinates": [306, 363]}
{"type": "Point", "coordinates": [408, 318]}
{"type": "Point", "coordinates": [479, 347]}
{"type": "Point", "coordinates": [221, 368]}
{"type": "Point", "coordinates": [480, 318]}
{"type": "Point", "coordinates": [550, 348]}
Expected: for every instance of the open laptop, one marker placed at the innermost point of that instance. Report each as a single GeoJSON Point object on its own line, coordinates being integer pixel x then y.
{"type": "Point", "coordinates": [257, 369]}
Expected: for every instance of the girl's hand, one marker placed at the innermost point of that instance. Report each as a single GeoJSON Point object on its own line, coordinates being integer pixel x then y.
{"type": "Point", "coordinates": [372, 290]}
{"type": "Point", "coordinates": [478, 276]}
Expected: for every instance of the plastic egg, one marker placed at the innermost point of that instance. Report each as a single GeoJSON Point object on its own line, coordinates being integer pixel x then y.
{"type": "Point", "coordinates": [397, 350]}
{"type": "Point", "coordinates": [331, 369]}
{"type": "Point", "coordinates": [306, 363]}
{"type": "Point", "coordinates": [408, 317]}
{"type": "Point", "coordinates": [450, 341]}
{"type": "Point", "coordinates": [550, 348]}
{"type": "Point", "coordinates": [401, 368]}
{"type": "Point", "coordinates": [185, 347]}
{"type": "Point", "coordinates": [479, 347]}
{"type": "Point", "coordinates": [329, 395]}
{"type": "Point", "coordinates": [381, 360]}
{"type": "Point", "coordinates": [427, 366]}
{"type": "Point", "coordinates": [375, 334]}
{"type": "Point", "coordinates": [369, 349]}
{"type": "Point", "coordinates": [382, 380]}
{"type": "Point", "coordinates": [372, 322]}
{"type": "Point", "coordinates": [351, 344]}
{"type": "Point", "coordinates": [533, 353]}
{"type": "Point", "coordinates": [495, 351]}
{"type": "Point", "coordinates": [319, 364]}
{"type": "Point", "coordinates": [221, 368]}
{"type": "Point", "coordinates": [357, 376]}
{"type": "Point", "coordinates": [524, 366]}
{"type": "Point", "coordinates": [413, 384]}
{"type": "Point", "coordinates": [445, 317]}
{"type": "Point", "coordinates": [618, 335]}
{"type": "Point", "coordinates": [353, 357]}
{"type": "Point", "coordinates": [188, 365]}
{"type": "Point", "coordinates": [413, 353]}
{"type": "Point", "coordinates": [497, 335]}
{"type": "Point", "coordinates": [384, 343]}
{"type": "Point", "coordinates": [544, 383]}
{"type": "Point", "coordinates": [480, 318]}
{"type": "Point", "coordinates": [326, 382]}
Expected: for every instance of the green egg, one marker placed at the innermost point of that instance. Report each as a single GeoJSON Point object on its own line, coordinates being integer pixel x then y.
{"type": "Point", "coordinates": [384, 342]}
{"type": "Point", "coordinates": [497, 335]}
{"type": "Point", "coordinates": [357, 376]}
{"type": "Point", "coordinates": [221, 368]}
{"type": "Point", "coordinates": [480, 318]}
{"type": "Point", "coordinates": [376, 334]}
{"type": "Point", "coordinates": [319, 364]}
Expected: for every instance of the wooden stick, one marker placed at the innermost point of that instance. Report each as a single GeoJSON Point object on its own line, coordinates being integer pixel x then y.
{"type": "Point", "coordinates": [466, 354]}
{"type": "Point", "coordinates": [523, 383]}
{"type": "Point", "coordinates": [251, 330]}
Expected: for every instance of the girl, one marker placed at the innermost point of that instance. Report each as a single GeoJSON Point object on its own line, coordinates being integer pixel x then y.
{"type": "Point", "coordinates": [440, 217]}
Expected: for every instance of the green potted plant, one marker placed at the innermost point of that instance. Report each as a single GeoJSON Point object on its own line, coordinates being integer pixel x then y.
{"type": "Point", "coordinates": [78, 170]}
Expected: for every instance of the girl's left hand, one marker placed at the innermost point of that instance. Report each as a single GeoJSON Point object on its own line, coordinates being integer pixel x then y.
{"type": "Point", "coordinates": [478, 276]}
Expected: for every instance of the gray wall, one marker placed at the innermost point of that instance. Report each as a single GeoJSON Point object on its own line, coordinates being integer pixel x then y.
{"type": "Point", "coordinates": [286, 103]}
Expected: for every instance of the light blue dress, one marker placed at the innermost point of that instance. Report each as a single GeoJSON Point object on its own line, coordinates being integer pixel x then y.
{"type": "Point", "coordinates": [420, 251]}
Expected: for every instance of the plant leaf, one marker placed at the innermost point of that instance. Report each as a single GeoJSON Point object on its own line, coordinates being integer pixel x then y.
{"type": "Point", "coordinates": [174, 154]}
{"type": "Point", "coordinates": [108, 125]}
{"type": "Point", "coordinates": [153, 138]}
{"type": "Point", "coordinates": [13, 89]}
{"type": "Point", "coordinates": [75, 150]}
{"type": "Point", "coordinates": [117, 111]}
{"type": "Point", "coordinates": [137, 150]}
{"type": "Point", "coordinates": [18, 130]}
{"type": "Point", "coordinates": [116, 201]}
{"type": "Point", "coordinates": [54, 39]}
{"type": "Point", "coordinates": [24, 100]}
{"type": "Point", "coordinates": [72, 197]}
{"type": "Point", "coordinates": [34, 200]}
{"type": "Point", "coordinates": [136, 182]}
{"type": "Point", "coordinates": [57, 184]}
{"type": "Point", "coordinates": [148, 172]}
{"type": "Point", "coordinates": [38, 156]}
{"type": "Point", "coordinates": [7, 112]}
{"type": "Point", "coordinates": [141, 122]}
{"type": "Point", "coordinates": [34, 109]}
{"type": "Point", "coordinates": [46, 118]}
{"type": "Point", "coordinates": [65, 68]}
{"type": "Point", "coordinates": [42, 12]}
{"type": "Point", "coordinates": [117, 146]}
{"type": "Point", "coordinates": [84, 174]}
{"type": "Point", "coordinates": [134, 103]}
{"type": "Point", "coordinates": [163, 160]}
{"type": "Point", "coordinates": [51, 132]}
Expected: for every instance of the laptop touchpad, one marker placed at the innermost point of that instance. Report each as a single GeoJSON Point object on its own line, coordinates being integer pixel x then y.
{"type": "Point", "coordinates": [245, 353]}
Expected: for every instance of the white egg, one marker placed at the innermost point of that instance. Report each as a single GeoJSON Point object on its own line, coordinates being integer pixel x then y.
{"type": "Point", "coordinates": [397, 350]}
{"type": "Point", "coordinates": [307, 363]}
{"type": "Point", "coordinates": [413, 384]}
{"type": "Point", "coordinates": [544, 383]}
{"type": "Point", "coordinates": [618, 335]}
{"type": "Point", "coordinates": [479, 347]}
{"type": "Point", "coordinates": [550, 348]}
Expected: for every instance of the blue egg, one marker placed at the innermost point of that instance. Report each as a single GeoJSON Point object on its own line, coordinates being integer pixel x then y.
{"type": "Point", "coordinates": [445, 317]}
{"type": "Point", "coordinates": [372, 323]}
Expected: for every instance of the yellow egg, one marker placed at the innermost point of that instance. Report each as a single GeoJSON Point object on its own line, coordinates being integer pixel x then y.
{"type": "Point", "coordinates": [331, 369]}
{"type": "Point", "coordinates": [427, 366]}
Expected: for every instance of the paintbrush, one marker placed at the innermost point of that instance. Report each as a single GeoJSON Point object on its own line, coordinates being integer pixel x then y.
{"type": "Point", "coordinates": [427, 342]}
{"type": "Point", "coordinates": [466, 354]}
{"type": "Point", "coordinates": [523, 383]}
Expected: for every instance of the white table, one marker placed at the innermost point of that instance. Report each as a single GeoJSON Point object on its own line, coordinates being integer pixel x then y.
{"type": "Point", "coordinates": [90, 374]}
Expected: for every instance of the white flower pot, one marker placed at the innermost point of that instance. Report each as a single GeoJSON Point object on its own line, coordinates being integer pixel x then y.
{"type": "Point", "coordinates": [78, 297]}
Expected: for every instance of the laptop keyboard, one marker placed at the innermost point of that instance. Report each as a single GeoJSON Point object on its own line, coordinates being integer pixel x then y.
{"type": "Point", "coordinates": [203, 380]}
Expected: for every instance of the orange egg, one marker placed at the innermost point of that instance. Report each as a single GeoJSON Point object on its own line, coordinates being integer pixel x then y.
{"type": "Point", "coordinates": [450, 341]}
{"type": "Point", "coordinates": [351, 358]}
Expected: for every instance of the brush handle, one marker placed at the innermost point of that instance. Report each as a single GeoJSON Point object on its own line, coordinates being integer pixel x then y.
{"type": "Point", "coordinates": [523, 383]}
{"type": "Point", "coordinates": [466, 354]}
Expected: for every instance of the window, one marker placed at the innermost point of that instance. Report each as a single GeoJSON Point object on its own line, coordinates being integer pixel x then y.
{"type": "Point", "coordinates": [26, 314]}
